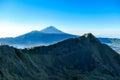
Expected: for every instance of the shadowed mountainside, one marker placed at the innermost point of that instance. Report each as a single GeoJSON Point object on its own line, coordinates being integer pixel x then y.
{"type": "Point", "coordinates": [82, 58]}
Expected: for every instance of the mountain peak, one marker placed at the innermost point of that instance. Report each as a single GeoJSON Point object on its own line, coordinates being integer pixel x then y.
{"type": "Point", "coordinates": [90, 37]}
{"type": "Point", "coordinates": [52, 29]}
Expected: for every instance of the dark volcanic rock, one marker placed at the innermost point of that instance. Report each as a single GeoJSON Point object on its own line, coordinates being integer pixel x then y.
{"type": "Point", "coordinates": [82, 58]}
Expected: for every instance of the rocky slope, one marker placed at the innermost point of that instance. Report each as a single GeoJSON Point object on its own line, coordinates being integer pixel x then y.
{"type": "Point", "coordinates": [82, 58]}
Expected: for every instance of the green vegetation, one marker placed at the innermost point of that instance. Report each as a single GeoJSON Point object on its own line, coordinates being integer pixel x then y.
{"type": "Point", "coordinates": [83, 58]}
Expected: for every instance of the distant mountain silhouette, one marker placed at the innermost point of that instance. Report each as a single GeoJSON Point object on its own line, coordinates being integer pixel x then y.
{"type": "Point", "coordinates": [46, 36]}
{"type": "Point", "coordinates": [81, 58]}
{"type": "Point", "coordinates": [52, 30]}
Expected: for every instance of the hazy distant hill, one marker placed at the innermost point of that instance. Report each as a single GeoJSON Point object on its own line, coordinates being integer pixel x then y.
{"type": "Point", "coordinates": [81, 58]}
{"type": "Point", "coordinates": [46, 36]}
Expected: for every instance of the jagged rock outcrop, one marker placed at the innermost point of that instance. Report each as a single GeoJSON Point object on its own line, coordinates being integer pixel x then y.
{"type": "Point", "coordinates": [82, 58]}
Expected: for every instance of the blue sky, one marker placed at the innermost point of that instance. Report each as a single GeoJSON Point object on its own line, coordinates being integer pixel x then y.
{"type": "Point", "coordinates": [100, 17]}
